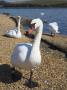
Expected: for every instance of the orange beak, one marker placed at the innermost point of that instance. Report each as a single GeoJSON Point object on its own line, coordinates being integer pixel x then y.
{"type": "Point", "coordinates": [31, 29]}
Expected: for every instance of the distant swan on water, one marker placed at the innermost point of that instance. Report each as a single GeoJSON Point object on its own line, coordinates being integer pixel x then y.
{"type": "Point", "coordinates": [15, 33]}
{"type": "Point", "coordinates": [42, 13]}
{"type": "Point", "coordinates": [53, 28]}
{"type": "Point", "coordinates": [27, 55]}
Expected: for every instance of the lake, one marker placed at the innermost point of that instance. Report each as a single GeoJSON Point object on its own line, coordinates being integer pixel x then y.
{"type": "Point", "coordinates": [49, 14]}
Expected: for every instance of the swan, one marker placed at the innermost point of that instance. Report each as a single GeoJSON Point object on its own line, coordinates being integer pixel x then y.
{"type": "Point", "coordinates": [27, 55]}
{"type": "Point", "coordinates": [15, 32]}
{"type": "Point", "coordinates": [42, 13]}
{"type": "Point", "coordinates": [53, 27]}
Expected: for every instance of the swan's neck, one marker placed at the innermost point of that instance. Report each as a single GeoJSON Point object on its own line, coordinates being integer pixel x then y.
{"type": "Point", "coordinates": [18, 26]}
{"type": "Point", "coordinates": [37, 39]}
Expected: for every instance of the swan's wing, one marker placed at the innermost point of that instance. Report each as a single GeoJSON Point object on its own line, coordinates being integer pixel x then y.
{"type": "Point", "coordinates": [11, 33]}
{"type": "Point", "coordinates": [53, 26]}
{"type": "Point", "coordinates": [21, 53]}
{"type": "Point", "coordinates": [30, 44]}
{"type": "Point", "coordinates": [55, 23]}
{"type": "Point", "coordinates": [15, 30]}
{"type": "Point", "coordinates": [56, 27]}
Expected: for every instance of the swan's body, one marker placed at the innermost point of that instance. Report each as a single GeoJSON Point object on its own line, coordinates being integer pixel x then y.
{"type": "Point", "coordinates": [13, 33]}
{"type": "Point", "coordinates": [16, 33]}
{"type": "Point", "coordinates": [27, 55]}
{"type": "Point", "coordinates": [21, 57]}
{"type": "Point", "coordinates": [53, 27]}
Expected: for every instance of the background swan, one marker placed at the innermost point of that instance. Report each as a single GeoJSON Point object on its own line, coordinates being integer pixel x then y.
{"type": "Point", "coordinates": [54, 28]}
{"type": "Point", "coordinates": [16, 33]}
{"type": "Point", "coordinates": [27, 55]}
{"type": "Point", "coordinates": [42, 13]}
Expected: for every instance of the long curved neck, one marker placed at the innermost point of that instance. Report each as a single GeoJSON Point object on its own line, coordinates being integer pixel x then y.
{"type": "Point", "coordinates": [37, 39]}
{"type": "Point", "coordinates": [18, 25]}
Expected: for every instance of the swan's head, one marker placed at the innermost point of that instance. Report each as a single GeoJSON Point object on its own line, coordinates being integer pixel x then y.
{"type": "Point", "coordinates": [36, 23]}
{"type": "Point", "coordinates": [19, 17]}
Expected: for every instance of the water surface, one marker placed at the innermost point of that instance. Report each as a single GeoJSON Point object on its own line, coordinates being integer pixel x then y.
{"type": "Point", "coordinates": [50, 14]}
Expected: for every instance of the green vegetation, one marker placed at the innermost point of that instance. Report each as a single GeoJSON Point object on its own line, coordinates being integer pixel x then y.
{"type": "Point", "coordinates": [37, 3]}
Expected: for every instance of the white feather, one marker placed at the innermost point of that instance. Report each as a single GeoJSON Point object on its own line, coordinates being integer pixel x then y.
{"type": "Point", "coordinates": [53, 27]}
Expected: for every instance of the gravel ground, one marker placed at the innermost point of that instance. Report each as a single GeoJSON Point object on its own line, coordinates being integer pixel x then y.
{"type": "Point", "coordinates": [50, 75]}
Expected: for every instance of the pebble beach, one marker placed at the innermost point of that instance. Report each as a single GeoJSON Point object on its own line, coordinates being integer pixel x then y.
{"type": "Point", "coordinates": [50, 75]}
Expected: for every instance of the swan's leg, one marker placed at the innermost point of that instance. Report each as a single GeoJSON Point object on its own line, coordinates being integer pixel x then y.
{"type": "Point", "coordinates": [51, 34]}
{"type": "Point", "coordinates": [31, 73]}
{"type": "Point", "coordinates": [30, 79]}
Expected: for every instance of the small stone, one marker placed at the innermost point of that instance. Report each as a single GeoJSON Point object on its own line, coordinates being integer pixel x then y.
{"type": "Point", "coordinates": [47, 52]}
{"type": "Point", "coordinates": [46, 81]}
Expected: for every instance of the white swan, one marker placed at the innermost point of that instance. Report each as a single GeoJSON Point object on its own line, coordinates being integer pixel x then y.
{"type": "Point", "coordinates": [16, 33]}
{"type": "Point", "coordinates": [53, 27]}
{"type": "Point", "coordinates": [42, 13]}
{"type": "Point", "coordinates": [27, 55]}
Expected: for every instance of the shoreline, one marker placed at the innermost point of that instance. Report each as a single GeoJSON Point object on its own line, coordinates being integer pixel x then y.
{"type": "Point", "coordinates": [33, 7]}
{"type": "Point", "coordinates": [4, 4]}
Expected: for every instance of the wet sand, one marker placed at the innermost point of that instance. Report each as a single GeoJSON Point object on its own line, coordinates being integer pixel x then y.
{"type": "Point", "coordinates": [51, 74]}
